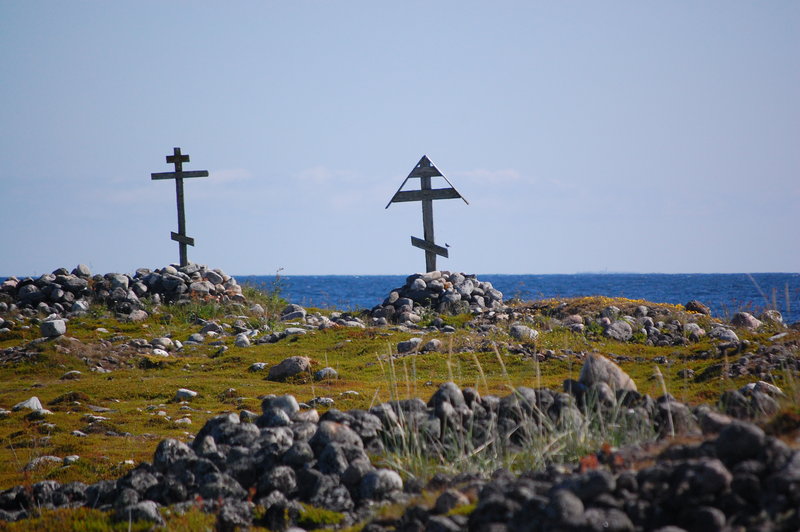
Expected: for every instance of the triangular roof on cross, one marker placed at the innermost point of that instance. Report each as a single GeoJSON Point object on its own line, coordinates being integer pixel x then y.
{"type": "Point", "coordinates": [425, 168]}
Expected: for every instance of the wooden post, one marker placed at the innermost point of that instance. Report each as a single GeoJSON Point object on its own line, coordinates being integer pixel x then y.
{"type": "Point", "coordinates": [179, 175]}
{"type": "Point", "coordinates": [425, 171]}
{"type": "Point", "coordinates": [427, 224]}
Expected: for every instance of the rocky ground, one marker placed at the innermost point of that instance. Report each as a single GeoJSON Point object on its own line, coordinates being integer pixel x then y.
{"type": "Point", "coordinates": [587, 451]}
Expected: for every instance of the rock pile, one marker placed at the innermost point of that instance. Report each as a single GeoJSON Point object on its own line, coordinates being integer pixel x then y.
{"type": "Point", "coordinates": [287, 456]}
{"type": "Point", "coordinates": [440, 291]}
{"type": "Point", "coordinates": [66, 293]}
{"type": "Point", "coordinates": [742, 479]}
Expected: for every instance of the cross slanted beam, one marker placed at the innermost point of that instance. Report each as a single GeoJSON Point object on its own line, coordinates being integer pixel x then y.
{"type": "Point", "coordinates": [177, 158]}
{"type": "Point", "coordinates": [425, 171]}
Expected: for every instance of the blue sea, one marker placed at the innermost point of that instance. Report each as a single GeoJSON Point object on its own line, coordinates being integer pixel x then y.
{"type": "Point", "coordinates": [725, 294]}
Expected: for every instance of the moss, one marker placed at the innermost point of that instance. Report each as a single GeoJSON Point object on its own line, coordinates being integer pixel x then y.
{"type": "Point", "coordinates": [312, 518]}
{"type": "Point", "coordinates": [361, 356]}
{"type": "Point", "coordinates": [465, 509]}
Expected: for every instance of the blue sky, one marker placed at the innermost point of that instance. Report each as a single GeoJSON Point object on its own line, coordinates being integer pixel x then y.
{"type": "Point", "coordinates": [587, 136]}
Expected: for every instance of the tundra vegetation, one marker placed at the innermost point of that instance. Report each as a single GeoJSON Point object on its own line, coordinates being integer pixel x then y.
{"type": "Point", "coordinates": [111, 388]}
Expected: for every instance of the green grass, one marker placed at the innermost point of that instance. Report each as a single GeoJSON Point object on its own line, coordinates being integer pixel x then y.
{"type": "Point", "coordinates": [142, 384]}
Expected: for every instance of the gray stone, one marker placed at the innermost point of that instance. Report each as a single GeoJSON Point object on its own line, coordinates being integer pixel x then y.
{"type": "Point", "coordinates": [257, 366]}
{"type": "Point", "coordinates": [82, 270]}
{"type": "Point", "coordinates": [433, 344]}
{"type": "Point", "coordinates": [565, 509]}
{"type": "Point", "coordinates": [723, 334]}
{"type": "Point", "coordinates": [29, 404]}
{"type": "Point", "coordinates": [772, 316]}
{"type": "Point", "coordinates": [698, 307]}
{"type": "Point", "coordinates": [739, 441]}
{"type": "Point", "coordinates": [118, 280]}
{"type": "Point", "coordinates": [598, 368]}
{"type": "Point", "coordinates": [141, 511]}
{"type": "Point", "coordinates": [235, 515]}
{"type": "Point", "coordinates": [523, 333]}
{"type": "Point", "coordinates": [694, 331]}
{"type": "Point", "coordinates": [162, 343]}
{"type": "Point", "coordinates": [289, 367]}
{"type": "Point", "coordinates": [169, 452]}
{"type": "Point", "coordinates": [212, 327]}
{"type": "Point", "coordinates": [53, 328]}
{"type": "Point", "coordinates": [380, 484]}
{"type": "Point", "coordinates": [745, 320]}
{"type": "Point", "coordinates": [242, 340]}
{"type": "Point", "coordinates": [71, 375]}
{"type": "Point", "coordinates": [449, 499]}
{"type": "Point", "coordinates": [184, 394]}
{"type": "Point", "coordinates": [408, 346]}
{"type": "Point", "coordinates": [286, 403]}
{"type": "Point", "coordinates": [293, 312]}
{"type": "Point", "coordinates": [79, 306]}
{"type": "Point", "coordinates": [326, 373]}
{"type": "Point", "coordinates": [213, 277]}
{"type": "Point", "coordinates": [40, 461]}
{"type": "Point", "coordinates": [137, 315]}
{"type": "Point", "coordinates": [619, 330]}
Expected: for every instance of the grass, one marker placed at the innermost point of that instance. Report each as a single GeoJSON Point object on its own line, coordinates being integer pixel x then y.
{"type": "Point", "coordinates": [140, 384]}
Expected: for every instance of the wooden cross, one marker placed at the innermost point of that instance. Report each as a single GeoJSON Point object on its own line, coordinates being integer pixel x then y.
{"type": "Point", "coordinates": [179, 175]}
{"type": "Point", "coordinates": [425, 170]}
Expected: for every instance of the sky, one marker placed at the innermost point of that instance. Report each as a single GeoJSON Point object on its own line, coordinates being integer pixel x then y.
{"type": "Point", "coordinates": [586, 136]}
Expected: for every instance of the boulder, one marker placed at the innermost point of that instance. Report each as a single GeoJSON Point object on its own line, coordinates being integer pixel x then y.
{"type": "Point", "coordinates": [184, 394]}
{"type": "Point", "coordinates": [53, 328]}
{"type": "Point", "coordinates": [242, 340]}
{"type": "Point", "coordinates": [619, 330]}
{"type": "Point", "coordinates": [523, 333]}
{"type": "Point", "coordinates": [771, 316]}
{"type": "Point", "coordinates": [325, 374]}
{"type": "Point", "coordinates": [409, 345]}
{"type": "Point", "coordinates": [29, 404]}
{"type": "Point", "coordinates": [696, 306]}
{"type": "Point", "coordinates": [745, 320]}
{"type": "Point", "coordinates": [723, 334]}
{"type": "Point", "coordinates": [289, 367]}
{"type": "Point", "coordinates": [293, 312]}
{"type": "Point", "coordinates": [598, 368]}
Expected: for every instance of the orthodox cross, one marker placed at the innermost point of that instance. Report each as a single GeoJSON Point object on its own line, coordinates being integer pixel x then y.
{"type": "Point", "coordinates": [179, 175]}
{"type": "Point", "coordinates": [425, 170]}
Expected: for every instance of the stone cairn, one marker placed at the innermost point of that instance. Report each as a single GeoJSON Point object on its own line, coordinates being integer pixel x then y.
{"type": "Point", "coordinates": [67, 294]}
{"type": "Point", "coordinates": [291, 455]}
{"type": "Point", "coordinates": [440, 291]}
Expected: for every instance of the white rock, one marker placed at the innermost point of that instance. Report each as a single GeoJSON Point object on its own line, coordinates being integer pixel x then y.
{"type": "Point", "coordinates": [31, 404]}
{"type": "Point", "coordinates": [242, 340]}
{"type": "Point", "coordinates": [42, 460]}
{"type": "Point", "coordinates": [53, 328]}
{"type": "Point", "coordinates": [184, 394]}
{"type": "Point", "coordinates": [183, 421]}
{"type": "Point", "coordinates": [160, 352]}
{"type": "Point", "coordinates": [71, 459]}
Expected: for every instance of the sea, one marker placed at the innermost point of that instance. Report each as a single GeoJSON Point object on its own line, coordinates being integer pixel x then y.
{"type": "Point", "coordinates": [725, 294]}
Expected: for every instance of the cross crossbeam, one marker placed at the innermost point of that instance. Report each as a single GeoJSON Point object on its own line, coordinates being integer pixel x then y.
{"type": "Point", "coordinates": [177, 158]}
{"type": "Point", "coordinates": [425, 170]}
